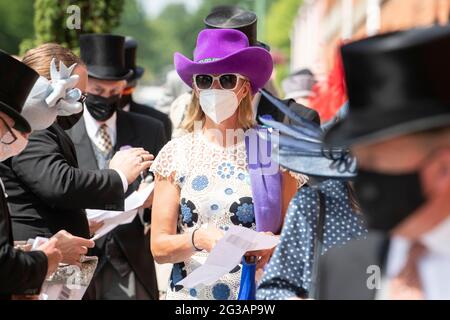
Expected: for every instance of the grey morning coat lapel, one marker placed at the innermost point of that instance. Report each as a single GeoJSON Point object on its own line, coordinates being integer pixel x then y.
{"type": "Point", "coordinates": [85, 151]}
{"type": "Point", "coordinates": [354, 271]}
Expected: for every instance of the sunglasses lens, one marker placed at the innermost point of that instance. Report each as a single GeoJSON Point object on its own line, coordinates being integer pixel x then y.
{"type": "Point", "coordinates": [203, 81]}
{"type": "Point", "coordinates": [228, 81]}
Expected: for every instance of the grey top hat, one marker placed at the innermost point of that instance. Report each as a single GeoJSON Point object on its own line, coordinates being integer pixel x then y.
{"type": "Point", "coordinates": [234, 17]}
{"type": "Point", "coordinates": [299, 84]}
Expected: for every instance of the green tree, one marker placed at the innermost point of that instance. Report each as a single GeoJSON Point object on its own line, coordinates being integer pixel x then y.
{"type": "Point", "coordinates": [134, 23]}
{"type": "Point", "coordinates": [279, 23]}
{"type": "Point", "coordinates": [50, 20]}
{"type": "Point", "coordinates": [175, 29]}
{"type": "Point", "coordinates": [179, 29]}
{"type": "Point", "coordinates": [15, 23]}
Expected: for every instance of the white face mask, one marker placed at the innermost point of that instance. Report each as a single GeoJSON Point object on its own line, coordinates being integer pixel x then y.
{"type": "Point", "coordinates": [218, 105]}
{"type": "Point", "coordinates": [10, 150]}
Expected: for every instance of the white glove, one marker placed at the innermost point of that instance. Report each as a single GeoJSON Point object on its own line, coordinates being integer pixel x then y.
{"type": "Point", "coordinates": [49, 99]}
{"type": "Point", "coordinates": [61, 82]}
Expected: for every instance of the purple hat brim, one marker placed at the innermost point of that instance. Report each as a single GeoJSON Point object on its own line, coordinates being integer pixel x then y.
{"type": "Point", "coordinates": [253, 62]}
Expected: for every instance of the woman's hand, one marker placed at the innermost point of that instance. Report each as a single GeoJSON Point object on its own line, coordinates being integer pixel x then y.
{"type": "Point", "coordinates": [206, 238]}
{"type": "Point", "coordinates": [263, 256]}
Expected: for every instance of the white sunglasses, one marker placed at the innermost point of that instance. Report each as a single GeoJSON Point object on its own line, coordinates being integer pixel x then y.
{"type": "Point", "coordinates": [227, 81]}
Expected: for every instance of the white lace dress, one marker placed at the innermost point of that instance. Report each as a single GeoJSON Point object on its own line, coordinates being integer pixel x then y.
{"type": "Point", "coordinates": [214, 190]}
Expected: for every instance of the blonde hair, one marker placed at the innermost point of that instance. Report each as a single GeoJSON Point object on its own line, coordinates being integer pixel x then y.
{"type": "Point", "coordinates": [40, 57]}
{"type": "Point", "coordinates": [195, 113]}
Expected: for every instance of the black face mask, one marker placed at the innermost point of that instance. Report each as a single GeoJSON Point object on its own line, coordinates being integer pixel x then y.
{"type": "Point", "coordinates": [68, 122]}
{"type": "Point", "coordinates": [125, 100]}
{"type": "Point", "coordinates": [101, 108]}
{"type": "Point", "coordinates": [386, 200]}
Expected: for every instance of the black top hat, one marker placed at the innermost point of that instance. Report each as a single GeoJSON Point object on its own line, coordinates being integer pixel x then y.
{"type": "Point", "coordinates": [104, 55]}
{"type": "Point", "coordinates": [233, 17]}
{"type": "Point", "coordinates": [397, 84]}
{"type": "Point", "coordinates": [130, 58]}
{"type": "Point", "coordinates": [16, 82]}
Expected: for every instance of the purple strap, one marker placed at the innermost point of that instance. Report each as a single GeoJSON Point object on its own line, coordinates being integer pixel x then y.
{"type": "Point", "coordinates": [265, 179]}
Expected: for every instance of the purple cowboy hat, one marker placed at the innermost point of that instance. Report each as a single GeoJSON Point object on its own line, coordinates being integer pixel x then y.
{"type": "Point", "coordinates": [220, 51]}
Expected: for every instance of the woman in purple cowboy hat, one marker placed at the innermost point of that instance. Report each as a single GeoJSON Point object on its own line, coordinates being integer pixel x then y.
{"type": "Point", "coordinates": [203, 179]}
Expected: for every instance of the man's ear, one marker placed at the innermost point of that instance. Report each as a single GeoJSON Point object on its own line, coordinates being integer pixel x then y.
{"type": "Point", "coordinates": [123, 84]}
{"type": "Point", "coordinates": [436, 175]}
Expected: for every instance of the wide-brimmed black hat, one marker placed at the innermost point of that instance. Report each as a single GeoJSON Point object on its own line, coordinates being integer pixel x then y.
{"type": "Point", "coordinates": [234, 17]}
{"type": "Point", "coordinates": [267, 107]}
{"type": "Point", "coordinates": [16, 82]}
{"type": "Point", "coordinates": [104, 55]}
{"type": "Point", "coordinates": [300, 148]}
{"type": "Point", "coordinates": [131, 46]}
{"type": "Point", "coordinates": [397, 84]}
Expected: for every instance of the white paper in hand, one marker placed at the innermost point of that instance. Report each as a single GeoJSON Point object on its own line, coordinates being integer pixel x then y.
{"type": "Point", "coordinates": [137, 198]}
{"type": "Point", "coordinates": [112, 219]}
{"type": "Point", "coordinates": [227, 254]}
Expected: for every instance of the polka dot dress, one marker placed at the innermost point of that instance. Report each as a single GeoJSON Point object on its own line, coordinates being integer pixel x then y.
{"type": "Point", "coordinates": [288, 273]}
{"type": "Point", "coordinates": [214, 190]}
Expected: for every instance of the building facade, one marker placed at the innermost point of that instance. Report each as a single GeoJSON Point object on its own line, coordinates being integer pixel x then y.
{"type": "Point", "coordinates": [322, 24]}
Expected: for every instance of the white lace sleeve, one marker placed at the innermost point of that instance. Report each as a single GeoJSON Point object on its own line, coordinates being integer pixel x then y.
{"type": "Point", "coordinates": [166, 163]}
{"type": "Point", "coordinates": [300, 178]}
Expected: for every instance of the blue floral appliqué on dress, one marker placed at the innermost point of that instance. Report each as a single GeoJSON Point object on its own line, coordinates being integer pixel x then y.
{"type": "Point", "coordinates": [243, 212]}
{"type": "Point", "coordinates": [221, 291]}
{"type": "Point", "coordinates": [225, 170]}
{"type": "Point", "coordinates": [178, 273]}
{"type": "Point", "coordinates": [241, 176]}
{"type": "Point", "coordinates": [200, 183]}
{"type": "Point", "coordinates": [188, 213]}
{"type": "Point", "coordinates": [193, 293]}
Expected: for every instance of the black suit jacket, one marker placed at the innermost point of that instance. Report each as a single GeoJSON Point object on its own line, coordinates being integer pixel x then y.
{"type": "Point", "coordinates": [155, 114]}
{"type": "Point", "coordinates": [344, 272]}
{"type": "Point", "coordinates": [47, 192]}
{"type": "Point", "coordinates": [137, 131]}
{"type": "Point", "coordinates": [20, 272]}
